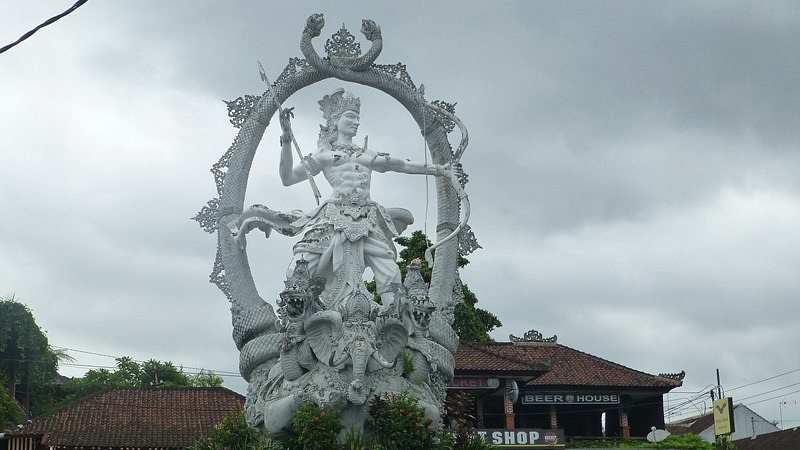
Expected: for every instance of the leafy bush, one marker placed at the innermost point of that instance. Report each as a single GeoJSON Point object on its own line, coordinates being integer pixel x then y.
{"type": "Point", "coordinates": [397, 422]}
{"type": "Point", "coordinates": [232, 434]}
{"type": "Point", "coordinates": [315, 428]}
{"type": "Point", "coordinates": [687, 441]}
{"type": "Point", "coordinates": [723, 443]}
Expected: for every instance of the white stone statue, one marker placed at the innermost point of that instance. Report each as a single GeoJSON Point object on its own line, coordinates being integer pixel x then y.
{"type": "Point", "coordinates": [330, 342]}
{"type": "Point", "coordinates": [346, 234]}
{"type": "Point", "coordinates": [350, 231]}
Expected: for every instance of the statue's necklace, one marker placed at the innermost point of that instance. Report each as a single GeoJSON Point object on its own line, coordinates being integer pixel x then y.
{"type": "Point", "coordinates": [350, 149]}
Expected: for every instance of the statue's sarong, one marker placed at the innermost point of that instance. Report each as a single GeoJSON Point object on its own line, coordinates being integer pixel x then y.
{"type": "Point", "coordinates": [342, 237]}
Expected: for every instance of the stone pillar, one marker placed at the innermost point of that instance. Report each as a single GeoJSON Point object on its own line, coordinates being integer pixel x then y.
{"type": "Point", "coordinates": [553, 417]}
{"type": "Point", "coordinates": [624, 428]}
{"type": "Point", "coordinates": [509, 406]}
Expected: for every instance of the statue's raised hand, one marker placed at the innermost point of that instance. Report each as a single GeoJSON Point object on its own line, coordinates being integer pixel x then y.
{"type": "Point", "coordinates": [286, 120]}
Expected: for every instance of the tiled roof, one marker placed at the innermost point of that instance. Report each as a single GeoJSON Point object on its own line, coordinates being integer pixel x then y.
{"type": "Point", "coordinates": [488, 358]}
{"type": "Point", "coordinates": [552, 365]}
{"type": "Point", "coordinates": [128, 417]}
{"type": "Point", "coordinates": [694, 424]}
{"type": "Point", "coordinates": [779, 440]}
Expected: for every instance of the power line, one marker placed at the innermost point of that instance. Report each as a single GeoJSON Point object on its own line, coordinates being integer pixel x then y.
{"type": "Point", "coordinates": [86, 352]}
{"type": "Point", "coordinates": [199, 369]}
{"type": "Point", "coordinates": [765, 379]}
{"type": "Point", "coordinates": [773, 398]}
{"type": "Point", "coordinates": [43, 24]}
{"type": "Point", "coordinates": [197, 372]}
{"type": "Point", "coordinates": [769, 392]}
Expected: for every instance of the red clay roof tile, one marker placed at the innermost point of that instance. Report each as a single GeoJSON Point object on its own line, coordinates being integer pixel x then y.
{"type": "Point", "coordinates": [552, 365]}
{"type": "Point", "coordinates": [128, 417]}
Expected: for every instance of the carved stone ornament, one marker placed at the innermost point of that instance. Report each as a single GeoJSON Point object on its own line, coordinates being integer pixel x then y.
{"type": "Point", "coordinates": [674, 376]}
{"type": "Point", "coordinates": [533, 336]}
{"type": "Point", "coordinates": [328, 341]}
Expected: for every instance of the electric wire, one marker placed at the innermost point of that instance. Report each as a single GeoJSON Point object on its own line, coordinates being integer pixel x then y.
{"type": "Point", "coordinates": [200, 369]}
{"type": "Point", "coordinates": [773, 398]}
{"type": "Point", "coordinates": [765, 379]}
{"type": "Point", "coordinates": [47, 22]}
{"type": "Point", "coordinates": [769, 392]}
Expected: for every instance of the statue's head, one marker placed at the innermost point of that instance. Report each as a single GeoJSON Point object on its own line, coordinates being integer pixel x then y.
{"type": "Point", "coordinates": [341, 108]}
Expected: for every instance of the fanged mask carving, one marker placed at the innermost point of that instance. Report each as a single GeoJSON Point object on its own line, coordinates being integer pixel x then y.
{"type": "Point", "coordinates": [301, 292]}
{"type": "Point", "coordinates": [421, 306]}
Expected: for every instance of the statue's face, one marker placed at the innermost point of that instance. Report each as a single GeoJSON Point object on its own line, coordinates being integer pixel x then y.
{"type": "Point", "coordinates": [347, 124]}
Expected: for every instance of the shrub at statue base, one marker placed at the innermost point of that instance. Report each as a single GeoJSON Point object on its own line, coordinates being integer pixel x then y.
{"type": "Point", "coordinates": [396, 421]}
{"type": "Point", "coordinates": [315, 428]}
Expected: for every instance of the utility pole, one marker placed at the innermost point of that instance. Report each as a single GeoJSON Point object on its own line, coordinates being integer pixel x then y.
{"type": "Point", "coordinates": [780, 408]}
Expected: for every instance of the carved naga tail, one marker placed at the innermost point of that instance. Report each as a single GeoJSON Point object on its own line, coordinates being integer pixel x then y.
{"type": "Point", "coordinates": [253, 318]}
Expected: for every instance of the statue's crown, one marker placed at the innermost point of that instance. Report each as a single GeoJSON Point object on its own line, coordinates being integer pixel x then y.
{"type": "Point", "coordinates": [335, 104]}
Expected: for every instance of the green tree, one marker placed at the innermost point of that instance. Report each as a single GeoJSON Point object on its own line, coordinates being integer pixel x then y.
{"type": "Point", "coordinates": [472, 324]}
{"type": "Point", "coordinates": [11, 412]}
{"type": "Point", "coordinates": [133, 374]}
{"type": "Point", "coordinates": [232, 434]}
{"type": "Point", "coordinates": [28, 365]}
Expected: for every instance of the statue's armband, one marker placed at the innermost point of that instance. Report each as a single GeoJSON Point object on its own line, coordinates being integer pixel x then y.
{"type": "Point", "coordinates": [312, 165]}
{"type": "Point", "coordinates": [389, 163]}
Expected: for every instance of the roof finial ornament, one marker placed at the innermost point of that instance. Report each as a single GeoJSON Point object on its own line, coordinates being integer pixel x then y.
{"type": "Point", "coordinates": [533, 336]}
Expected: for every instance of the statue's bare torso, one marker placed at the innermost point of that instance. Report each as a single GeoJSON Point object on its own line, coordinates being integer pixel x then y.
{"type": "Point", "coordinates": [347, 173]}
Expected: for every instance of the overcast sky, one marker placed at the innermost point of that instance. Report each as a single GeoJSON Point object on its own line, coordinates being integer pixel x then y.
{"type": "Point", "coordinates": [633, 173]}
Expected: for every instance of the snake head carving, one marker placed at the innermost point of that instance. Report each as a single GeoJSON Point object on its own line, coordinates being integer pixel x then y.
{"type": "Point", "coordinates": [314, 25]}
{"type": "Point", "coordinates": [370, 30]}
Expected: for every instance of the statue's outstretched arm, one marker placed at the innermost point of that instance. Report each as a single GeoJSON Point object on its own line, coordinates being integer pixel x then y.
{"type": "Point", "coordinates": [383, 162]}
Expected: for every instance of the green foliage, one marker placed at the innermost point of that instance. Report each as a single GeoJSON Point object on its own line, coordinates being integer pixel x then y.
{"type": "Point", "coordinates": [723, 442]}
{"type": "Point", "coordinates": [474, 442]}
{"type": "Point", "coordinates": [408, 362]}
{"type": "Point", "coordinates": [686, 441]}
{"type": "Point", "coordinates": [232, 434]}
{"type": "Point", "coordinates": [10, 411]}
{"type": "Point", "coordinates": [28, 366]}
{"type": "Point", "coordinates": [314, 428]}
{"type": "Point", "coordinates": [355, 440]}
{"type": "Point", "coordinates": [132, 374]}
{"type": "Point", "coordinates": [459, 410]}
{"type": "Point", "coordinates": [472, 324]}
{"type": "Point", "coordinates": [394, 422]}
{"type": "Point", "coordinates": [397, 422]}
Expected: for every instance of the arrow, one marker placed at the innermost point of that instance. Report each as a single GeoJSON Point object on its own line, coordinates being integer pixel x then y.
{"type": "Point", "coordinates": [314, 188]}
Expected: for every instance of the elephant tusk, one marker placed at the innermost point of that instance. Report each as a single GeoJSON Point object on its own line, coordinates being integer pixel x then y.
{"type": "Point", "coordinates": [335, 361]}
{"type": "Point", "coordinates": [382, 361]}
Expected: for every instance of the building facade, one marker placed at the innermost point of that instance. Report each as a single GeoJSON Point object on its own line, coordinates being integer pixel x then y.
{"type": "Point", "coordinates": [536, 383]}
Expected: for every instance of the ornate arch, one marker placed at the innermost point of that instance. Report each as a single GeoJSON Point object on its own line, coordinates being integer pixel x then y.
{"type": "Point", "coordinates": [252, 115]}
